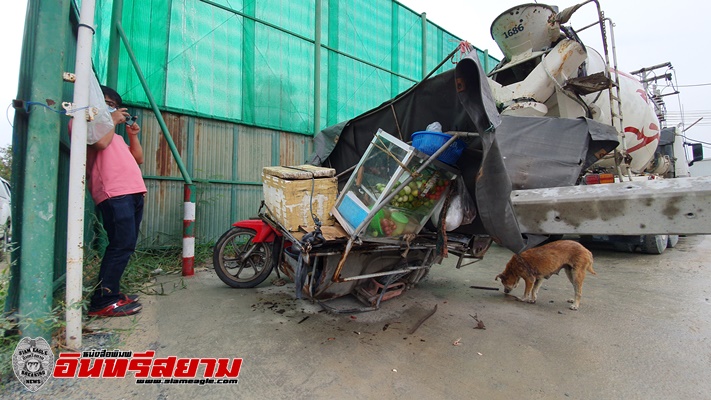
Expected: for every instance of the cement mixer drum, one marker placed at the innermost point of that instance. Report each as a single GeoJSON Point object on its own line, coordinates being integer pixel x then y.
{"type": "Point", "coordinates": [525, 29]}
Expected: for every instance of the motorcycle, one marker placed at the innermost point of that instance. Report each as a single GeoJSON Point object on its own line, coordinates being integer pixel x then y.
{"type": "Point", "coordinates": [325, 268]}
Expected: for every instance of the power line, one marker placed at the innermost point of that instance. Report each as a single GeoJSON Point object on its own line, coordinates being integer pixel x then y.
{"type": "Point", "coordinates": [695, 85]}
{"type": "Point", "coordinates": [697, 141]}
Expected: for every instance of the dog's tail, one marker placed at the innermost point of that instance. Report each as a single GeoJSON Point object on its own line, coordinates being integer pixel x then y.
{"type": "Point", "coordinates": [587, 259]}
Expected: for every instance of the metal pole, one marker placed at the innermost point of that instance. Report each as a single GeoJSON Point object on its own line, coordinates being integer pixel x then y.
{"type": "Point", "coordinates": [317, 68]}
{"type": "Point", "coordinates": [189, 231]}
{"type": "Point", "coordinates": [154, 107]}
{"type": "Point", "coordinates": [44, 52]}
{"type": "Point", "coordinates": [424, 45]}
{"type": "Point", "coordinates": [394, 50]}
{"type": "Point", "coordinates": [77, 174]}
{"type": "Point", "coordinates": [114, 45]}
{"type": "Point", "coordinates": [188, 212]}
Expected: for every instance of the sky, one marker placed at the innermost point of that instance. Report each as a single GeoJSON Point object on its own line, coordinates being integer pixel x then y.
{"type": "Point", "coordinates": [12, 25]}
{"type": "Point", "coordinates": [647, 33]}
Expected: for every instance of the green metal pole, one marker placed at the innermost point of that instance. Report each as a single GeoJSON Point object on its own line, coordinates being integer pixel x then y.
{"type": "Point", "coordinates": [424, 45]}
{"type": "Point", "coordinates": [317, 68]}
{"type": "Point", "coordinates": [234, 206]}
{"type": "Point", "coordinates": [43, 59]}
{"type": "Point", "coordinates": [248, 64]}
{"type": "Point", "coordinates": [114, 45]}
{"type": "Point", "coordinates": [154, 106]}
{"type": "Point", "coordinates": [394, 49]}
{"type": "Point", "coordinates": [332, 71]}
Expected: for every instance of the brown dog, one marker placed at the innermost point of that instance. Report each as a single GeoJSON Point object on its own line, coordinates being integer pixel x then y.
{"type": "Point", "coordinates": [541, 262]}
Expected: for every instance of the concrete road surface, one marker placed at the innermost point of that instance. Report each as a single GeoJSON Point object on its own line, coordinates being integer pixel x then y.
{"type": "Point", "coordinates": [643, 332]}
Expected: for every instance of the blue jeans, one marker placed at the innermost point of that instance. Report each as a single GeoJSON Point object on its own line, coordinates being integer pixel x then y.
{"type": "Point", "coordinates": [121, 219]}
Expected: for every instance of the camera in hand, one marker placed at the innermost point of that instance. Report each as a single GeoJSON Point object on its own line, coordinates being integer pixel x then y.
{"type": "Point", "coordinates": [131, 119]}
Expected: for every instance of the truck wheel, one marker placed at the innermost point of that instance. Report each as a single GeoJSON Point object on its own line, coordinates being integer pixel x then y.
{"type": "Point", "coordinates": [673, 240]}
{"type": "Point", "coordinates": [654, 244]}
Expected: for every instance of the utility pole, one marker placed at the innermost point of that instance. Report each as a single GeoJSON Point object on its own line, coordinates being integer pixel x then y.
{"type": "Point", "coordinates": [648, 77]}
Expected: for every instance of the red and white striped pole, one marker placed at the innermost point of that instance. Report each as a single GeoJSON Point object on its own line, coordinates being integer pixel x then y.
{"type": "Point", "coordinates": [189, 231]}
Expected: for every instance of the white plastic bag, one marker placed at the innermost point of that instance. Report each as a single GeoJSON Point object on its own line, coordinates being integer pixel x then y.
{"type": "Point", "coordinates": [102, 122]}
{"type": "Point", "coordinates": [454, 217]}
{"type": "Point", "coordinates": [462, 209]}
{"type": "Point", "coordinates": [434, 127]}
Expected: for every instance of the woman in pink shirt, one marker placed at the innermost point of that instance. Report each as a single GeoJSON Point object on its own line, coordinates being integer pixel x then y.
{"type": "Point", "coordinates": [116, 185]}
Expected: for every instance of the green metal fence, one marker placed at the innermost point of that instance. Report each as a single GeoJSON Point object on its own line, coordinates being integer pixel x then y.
{"type": "Point", "coordinates": [253, 69]}
{"type": "Point", "coordinates": [289, 65]}
{"type": "Point", "coordinates": [241, 84]}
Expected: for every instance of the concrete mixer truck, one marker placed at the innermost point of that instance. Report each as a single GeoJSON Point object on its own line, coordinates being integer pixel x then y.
{"type": "Point", "coordinates": [547, 71]}
{"type": "Point", "coordinates": [539, 135]}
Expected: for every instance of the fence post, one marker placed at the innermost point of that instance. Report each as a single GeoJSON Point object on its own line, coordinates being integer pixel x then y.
{"type": "Point", "coordinates": [35, 180]}
{"type": "Point", "coordinates": [424, 45]}
{"type": "Point", "coordinates": [317, 68]}
{"type": "Point", "coordinates": [189, 231]}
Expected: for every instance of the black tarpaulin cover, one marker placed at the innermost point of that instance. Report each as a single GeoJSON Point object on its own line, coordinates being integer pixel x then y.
{"type": "Point", "coordinates": [510, 152]}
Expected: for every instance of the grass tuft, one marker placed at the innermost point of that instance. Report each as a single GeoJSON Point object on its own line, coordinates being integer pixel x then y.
{"type": "Point", "coordinates": [139, 277]}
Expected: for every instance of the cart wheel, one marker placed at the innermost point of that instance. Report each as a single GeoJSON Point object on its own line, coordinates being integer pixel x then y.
{"type": "Point", "coordinates": [239, 262]}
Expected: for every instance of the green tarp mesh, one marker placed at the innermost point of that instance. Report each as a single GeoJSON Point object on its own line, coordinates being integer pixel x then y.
{"type": "Point", "coordinates": [253, 62]}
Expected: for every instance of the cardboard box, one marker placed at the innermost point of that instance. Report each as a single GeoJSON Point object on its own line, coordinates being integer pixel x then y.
{"type": "Point", "coordinates": [288, 194]}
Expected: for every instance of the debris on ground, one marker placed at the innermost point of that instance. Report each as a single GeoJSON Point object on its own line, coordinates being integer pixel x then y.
{"type": "Point", "coordinates": [279, 282]}
{"type": "Point", "coordinates": [479, 323]}
{"type": "Point", "coordinates": [484, 287]}
{"type": "Point", "coordinates": [422, 320]}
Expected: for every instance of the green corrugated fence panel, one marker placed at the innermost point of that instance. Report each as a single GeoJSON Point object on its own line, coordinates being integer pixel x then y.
{"type": "Point", "coordinates": [214, 61]}
{"type": "Point", "coordinates": [293, 149]}
{"type": "Point", "coordinates": [213, 216]}
{"type": "Point", "coordinates": [227, 162]}
{"type": "Point", "coordinates": [283, 81]}
{"type": "Point", "coordinates": [248, 200]}
{"type": "Point", "coordinates": [255, 152]}
{"type": "Point", "coordinates": [295, 16]}
{"type": "Point", "coordinates": [158, 160]}
{"type": "Point", "coordinates": [147, 26]}
{"type": "Point", "coordinates": [350, 92]}
{"type": "Point", "coordinates": [235, 90]}
{"type": "Point", "coordinates": [163, 211]}
{"type": "Point", "coordinates": [408, 42]}
{"type": "Point", "coordinates": [162, 214]}
{"type": "Point", "coordinates": [214, 150]}
{"type": "Point", "coordinates": [204, 62]}
{"type": "Point", "coordinates": [364, 30]}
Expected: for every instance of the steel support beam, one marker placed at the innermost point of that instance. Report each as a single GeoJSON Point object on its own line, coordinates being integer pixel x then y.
{"type": "Point", "coordinates": [660, 206]}
{"type": "Point", "coordinates": [43, 61]}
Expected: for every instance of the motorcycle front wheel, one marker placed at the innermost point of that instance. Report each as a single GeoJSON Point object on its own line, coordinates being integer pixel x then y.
{"type": "Point", "coordinates": [239, 262]}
